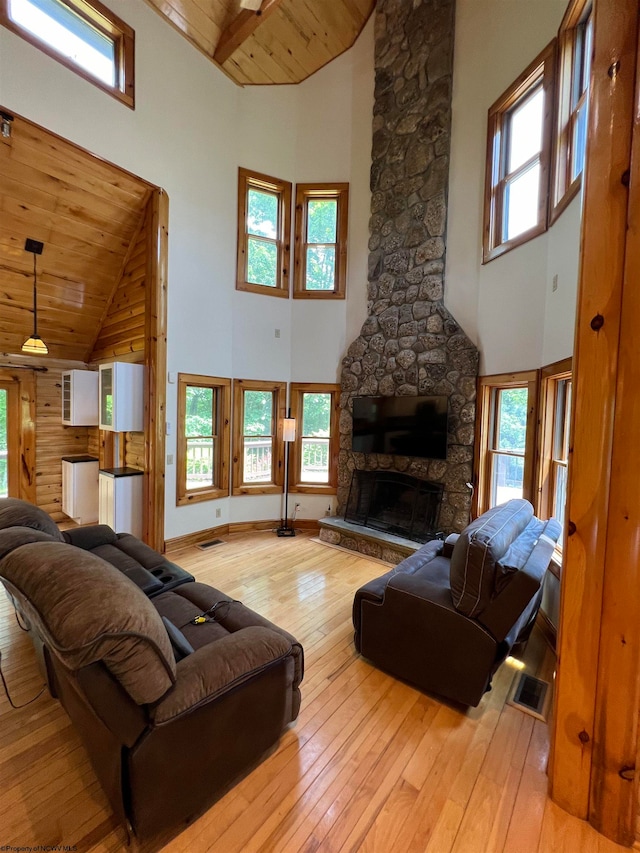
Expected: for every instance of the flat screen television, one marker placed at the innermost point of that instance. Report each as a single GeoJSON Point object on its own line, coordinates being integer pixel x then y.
{"type": "Point", "coordinates": [401, 426]}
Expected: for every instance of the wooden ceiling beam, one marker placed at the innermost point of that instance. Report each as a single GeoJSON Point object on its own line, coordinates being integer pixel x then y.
{"type": "Point", "coordinates": [242, 26]}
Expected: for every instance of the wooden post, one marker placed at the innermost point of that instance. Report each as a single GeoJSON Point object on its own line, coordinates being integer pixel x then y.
{"type": "Point", "coordinates": [155, 359]}
{"type": "Point", "coordinates": [594, 737]}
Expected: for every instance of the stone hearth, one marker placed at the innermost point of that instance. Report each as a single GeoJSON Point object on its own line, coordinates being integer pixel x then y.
{"type": "Point", "coordinates": [410, 344]}
{"type": "Point", "coordinates": [363, 540]}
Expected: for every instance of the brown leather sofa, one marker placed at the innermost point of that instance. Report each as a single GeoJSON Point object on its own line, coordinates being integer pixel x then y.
{"type": "Point", "coordinates": [176, 695]}
{"type": "Point", "coordinates": [445, 618]}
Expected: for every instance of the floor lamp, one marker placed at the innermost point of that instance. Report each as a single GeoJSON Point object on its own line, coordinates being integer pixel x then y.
{"type": "Point", "coordinates": [288, 435]}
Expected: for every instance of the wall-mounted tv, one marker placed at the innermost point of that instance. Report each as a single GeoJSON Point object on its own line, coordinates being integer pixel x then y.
{"type": "Point", "coordinates": [401, 426]}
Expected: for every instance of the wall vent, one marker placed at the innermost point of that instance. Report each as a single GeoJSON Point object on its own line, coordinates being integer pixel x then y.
{"type": "Point", "coordinates": [203, 546]}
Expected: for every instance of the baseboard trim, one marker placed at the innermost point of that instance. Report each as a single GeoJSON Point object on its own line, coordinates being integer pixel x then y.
{"type": "Point", "coordinates": [195, 538]}
{"type": "Point", "coordinates": [189, 539]}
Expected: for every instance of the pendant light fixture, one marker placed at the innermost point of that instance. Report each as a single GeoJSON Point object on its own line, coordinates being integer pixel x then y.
{"type": "Point", "coordinates": [34, 345]}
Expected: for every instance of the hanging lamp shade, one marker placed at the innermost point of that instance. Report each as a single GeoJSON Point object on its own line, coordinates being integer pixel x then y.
{"type": "Point", "coordinates": [34, 345]}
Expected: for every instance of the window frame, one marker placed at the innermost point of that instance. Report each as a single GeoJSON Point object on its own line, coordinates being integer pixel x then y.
{"type": "Point", "coordinates": [222, 392]}
{"type": "Point", "coordinates": [563, 188]}
{"type": "Point", "coordinates": [304, 194]}
{"type": "Point", "coordinates": [488, 386]}
{"type": "Point", "coordinates": [276, 484]}
{"type": "Point", "coordinates": [296, 394]}
{"type": "Point", "coordinates": [110, 25]}
{"type": "Point", "coordinates": [248, 179]}
{"type": "Point", "coordinates": [540, 72]}
{"type": "Point", "coordinates": [550, 377]}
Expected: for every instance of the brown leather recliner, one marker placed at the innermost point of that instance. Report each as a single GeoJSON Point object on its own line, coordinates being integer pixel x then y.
{"type": "Point", "coordinates": [446, 617]}
{"type": "Point", "coordinates": [171, 708]}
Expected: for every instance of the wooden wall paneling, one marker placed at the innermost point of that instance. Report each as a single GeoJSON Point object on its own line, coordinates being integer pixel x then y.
{"type": "Point", "coordinates": [93, 441]}
{"type": "Point", "coordinates": [155, 359]}
{"type": "Point", "coordinates": [122, 326]}
{"type": "Point", "coordinates": [85, 211]}
{"type": "Point", "coordinates": [134, 450]}
{"type": "Point", "coordinates": [585, 568]}
{"type": "Point", "coordinates": [53, 440]}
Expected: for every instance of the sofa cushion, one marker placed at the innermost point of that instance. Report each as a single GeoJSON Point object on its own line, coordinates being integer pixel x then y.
{"type": "Point", "coordinates": [479, 548]}
{"type": "Point", "coordinates": [87, 611]}
{"type": "Point", "coordinates": [13, 537]}
{"type": "Point", "coordinates": [17, 513]}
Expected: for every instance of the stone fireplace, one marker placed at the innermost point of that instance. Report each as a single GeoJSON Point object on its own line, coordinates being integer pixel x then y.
{"type": "Point", "coordinates": [410, 344]}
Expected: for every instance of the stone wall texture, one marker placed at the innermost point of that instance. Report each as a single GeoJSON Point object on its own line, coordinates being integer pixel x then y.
{"type": "Point", "coordinates": [410, 344]}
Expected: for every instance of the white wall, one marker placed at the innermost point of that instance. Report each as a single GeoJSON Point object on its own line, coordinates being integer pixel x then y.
{"type": "Point", "coordinates": [506, 306]}
{"type": "Point", "coordinates": [191, 129]}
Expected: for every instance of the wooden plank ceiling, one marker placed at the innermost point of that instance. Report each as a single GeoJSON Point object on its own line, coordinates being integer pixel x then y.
{"type": "Point", "coordinates": [86, 212]}
{"type": "Point", "coordinates": [285, 41]}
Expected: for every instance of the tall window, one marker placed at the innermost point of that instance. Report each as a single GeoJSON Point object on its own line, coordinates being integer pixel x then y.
{"type": "Point", "coordinates": [575, 50]}
{"type": "Point", "coordinates": [314, 455]}
{"type": "Point", "coordinates": [264, 226]}
{"type": "Point", "coordinates": [83, 35]}
{"type": "Point", "coordinates": [321, 241]}
{"type": "Point", "coordinates": [506, 412]}
{"type": "Point", "coordinates": [203, 438]}
{"type": "Point", "coordinates": [556, 390]}
{"type": "Point", "coordinates": [518, 144]}
{"type": "Point", "coordinates": [258, 410]}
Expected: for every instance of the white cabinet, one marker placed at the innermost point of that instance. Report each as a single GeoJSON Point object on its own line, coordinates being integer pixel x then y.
{"type": "Point", "coordinates": [121, 401]}
{"type": "Point", "coordinates": [80, 397]}
{"type": "Point", "coordinates": [80, 488]}
{"type": "Point", "coordinates": [121, 499]}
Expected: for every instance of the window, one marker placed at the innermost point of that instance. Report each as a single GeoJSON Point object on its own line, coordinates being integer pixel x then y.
{"type": "Point", "coordinates": [258, 410]}
{"type": "Point", "coordinates": [507, 426]}
{"type": "Point", "coordinates": [203, 438]}
{"type": "Point", "coordinates": [84, 36]}
{"type": "Point", "coordinates": [575, 48]}
{"type": "Point", "coordinates": [314, 455]}
{"type": "Point", "coordinates": [556, 389]}
{"type": "Point", "coordinates": [321, 241]}
{"type": "Point", "coordinates": [518, 143]}
{"type": "Point", "coordinates": [264, 228]}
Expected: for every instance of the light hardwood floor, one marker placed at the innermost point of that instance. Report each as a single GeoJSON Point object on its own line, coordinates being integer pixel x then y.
{"type": "Point", "coordinates": [371, 764]}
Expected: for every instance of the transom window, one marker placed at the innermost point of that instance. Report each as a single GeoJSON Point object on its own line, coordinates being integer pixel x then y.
{"type": "Point", "coordinates": [203, 438]}
{"type": "Point", "coordinates": [257, 455]}
{"type": "Point", "coordinates": [315, 450]}
{"type": "Point", "coordinates": [85, 36]}
{"type": "Point", "coordinates": [518, 159]}
{"type": "Point", "coordinates": [575, 52]}
{"type": "Point", "coordinates": [264, 222]}
{"type": "Point", "coordinates": [321, 240]}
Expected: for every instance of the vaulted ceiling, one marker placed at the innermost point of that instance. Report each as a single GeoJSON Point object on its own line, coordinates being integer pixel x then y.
{"type": "Point", "coordinates": [86, 212]}
{"type": "Point", "coordinates": [285, 41]}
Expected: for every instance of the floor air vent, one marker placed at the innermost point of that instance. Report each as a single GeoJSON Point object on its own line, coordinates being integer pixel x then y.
{"type": "Point", "coordinates": [204, 546]}
{"type": "Point", "coordinates": [530, 695]}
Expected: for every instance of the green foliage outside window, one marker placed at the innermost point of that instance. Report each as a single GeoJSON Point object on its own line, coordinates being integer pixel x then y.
{"type": "Point", "coordinates": [258, 413]}
{"type": "Point", "coordinates": [512, 420]}
{"type": "Point", "coordinates": [200, 429]}
{"type": "Point", "coordinates": [262, 249]}
{"type": "Point", "coordinates": [316, 415]}
{"type": "Point", "coordinates": [322, 220]}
